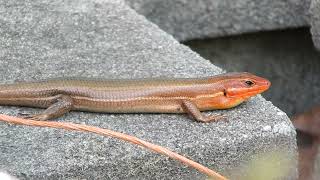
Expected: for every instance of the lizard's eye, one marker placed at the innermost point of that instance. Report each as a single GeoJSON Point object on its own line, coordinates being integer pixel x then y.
{"type": "Point", "coordinates": [249, 83]}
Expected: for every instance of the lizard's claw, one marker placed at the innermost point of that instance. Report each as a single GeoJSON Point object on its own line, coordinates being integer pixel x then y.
{"type": "Point", "coordinates": [215, 118]}
{"type": "Point", "coordinates": [36, 117]}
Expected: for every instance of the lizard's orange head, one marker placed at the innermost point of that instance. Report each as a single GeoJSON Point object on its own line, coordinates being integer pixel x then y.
{"type": "Point", "coordinates": [245, 85]}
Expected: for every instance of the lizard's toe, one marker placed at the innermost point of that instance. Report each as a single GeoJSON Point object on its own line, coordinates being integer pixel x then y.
{"type": "Point", "coordinates": [215, 118]}
{"type": "Point", "coordinates": [37, 117]}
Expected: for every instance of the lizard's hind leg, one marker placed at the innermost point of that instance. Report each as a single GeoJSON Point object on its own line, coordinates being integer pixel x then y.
{"type": "Point", "coordinates": [61, 104]}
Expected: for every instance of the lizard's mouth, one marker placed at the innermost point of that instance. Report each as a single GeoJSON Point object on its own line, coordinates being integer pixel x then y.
{"type": "Point", "coordinates": [247, 93]}
{"type": "Point", "coordinates": [252, 93]}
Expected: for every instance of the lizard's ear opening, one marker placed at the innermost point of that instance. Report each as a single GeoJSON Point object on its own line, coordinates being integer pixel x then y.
{"type": "Point", "coordinates": [225, 92]}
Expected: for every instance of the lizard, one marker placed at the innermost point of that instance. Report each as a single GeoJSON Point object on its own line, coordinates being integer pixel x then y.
{"type": "Point", "coordinates": [172, 95]}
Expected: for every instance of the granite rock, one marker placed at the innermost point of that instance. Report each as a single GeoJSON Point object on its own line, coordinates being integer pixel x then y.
{"type": "Point", "coordinates": [187, 20]}
{"type": "Point", "coordinates": [105, 38]}
{"type": "Point", "coordinates": [315, 22]}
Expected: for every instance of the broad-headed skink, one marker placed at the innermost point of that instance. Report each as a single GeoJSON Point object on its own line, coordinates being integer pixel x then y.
{"type": "Point", "coordinates": [190, 96]}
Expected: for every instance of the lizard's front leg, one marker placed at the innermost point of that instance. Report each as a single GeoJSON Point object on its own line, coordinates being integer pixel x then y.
{"type": "Point", "coordinates": [192, 109]}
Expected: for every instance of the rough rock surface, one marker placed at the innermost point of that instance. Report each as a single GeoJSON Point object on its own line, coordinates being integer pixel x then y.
{"type": "Point", "coordinates": [105, 38]}
{"type": "Point", "coordinates": [187, 20]}
{"type": "Point", "coordinates": [315, 22]}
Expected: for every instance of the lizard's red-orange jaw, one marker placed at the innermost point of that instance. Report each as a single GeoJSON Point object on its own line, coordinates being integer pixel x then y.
{"type": "Point", "coordinates": [246, 86]}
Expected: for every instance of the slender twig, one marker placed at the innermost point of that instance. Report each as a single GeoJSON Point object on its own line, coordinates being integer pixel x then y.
{"type": "Point", "coordinates": [106, 132]}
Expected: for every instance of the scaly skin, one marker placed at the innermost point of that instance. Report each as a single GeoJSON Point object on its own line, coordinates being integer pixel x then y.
{"type": "Point", "coordinates": [135, 96]}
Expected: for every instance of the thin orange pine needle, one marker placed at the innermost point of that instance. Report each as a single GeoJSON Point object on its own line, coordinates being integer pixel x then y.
{"type": "Point", "coordinates": [106, 132]}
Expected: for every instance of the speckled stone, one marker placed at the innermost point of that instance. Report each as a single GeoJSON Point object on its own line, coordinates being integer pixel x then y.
{"type": "Point", "coordinates": [315, 22]}
{"type": "Point", "coordinates": [187, 20]}
{"type": "Point", "coordinates": [105, 38]}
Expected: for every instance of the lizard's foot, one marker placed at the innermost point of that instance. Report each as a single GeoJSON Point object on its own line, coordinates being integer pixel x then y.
{"type": "Point", "coordinates": [213, 118]}
{"type": "Point", "coordinates": [37, 117]}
